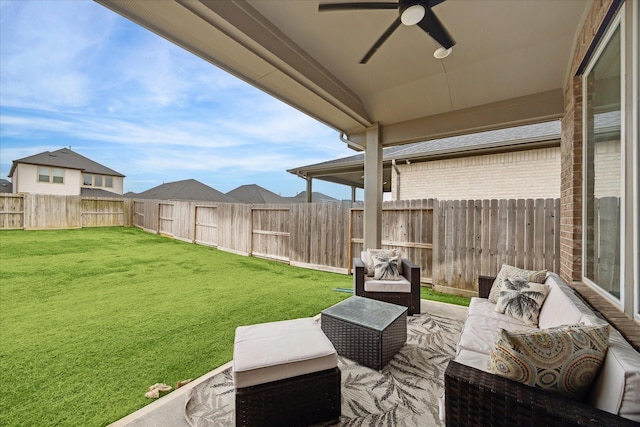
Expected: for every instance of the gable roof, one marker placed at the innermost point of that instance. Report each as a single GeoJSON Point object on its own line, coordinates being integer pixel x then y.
{"type": "Point", "coordinates": [6, 186]}
{"type": "Point", "coordinates": [97, 192]}
{"type": "Point", "coordinates": [316, 196]}
{"type": "Point", "coordinates": [188, 189]}
{"type": "Point", "coordinates": [252, 193]}
{"type": "Point", "coordinates": [67, 159]}
{"type": "Point", "coordinates": [349, 170]}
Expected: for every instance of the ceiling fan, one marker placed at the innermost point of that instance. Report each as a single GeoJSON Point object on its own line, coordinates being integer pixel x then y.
{"type": "Point", "coordinates": [410, 12]}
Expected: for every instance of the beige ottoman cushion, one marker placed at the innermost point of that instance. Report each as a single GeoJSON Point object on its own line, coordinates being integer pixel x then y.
{"type": "Point", "coordinates": [274, 351]}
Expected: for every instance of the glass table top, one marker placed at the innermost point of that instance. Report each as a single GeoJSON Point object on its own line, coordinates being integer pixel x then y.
{"type": "Point", "coordinates": [367, 312]}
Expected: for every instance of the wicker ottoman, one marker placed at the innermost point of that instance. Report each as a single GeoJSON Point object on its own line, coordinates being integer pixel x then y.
{"type": "Point", "coordinates": [285, 374]}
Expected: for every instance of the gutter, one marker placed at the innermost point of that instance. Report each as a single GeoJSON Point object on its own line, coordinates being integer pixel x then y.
{"type": "Point", "coordinates": [345, 138]}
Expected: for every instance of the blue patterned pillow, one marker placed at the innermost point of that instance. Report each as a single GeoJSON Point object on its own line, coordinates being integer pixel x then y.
{"type": "Point", "coordinates": [564, 360]}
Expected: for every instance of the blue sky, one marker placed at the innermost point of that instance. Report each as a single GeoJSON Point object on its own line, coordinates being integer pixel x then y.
{"type": "Point", "coordinates": [75, 74]}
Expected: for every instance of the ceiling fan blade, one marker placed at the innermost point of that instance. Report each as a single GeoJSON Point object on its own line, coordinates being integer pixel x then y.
{"type": "Point", "coordinates": [383, 38]}
{"type": "Point", "coordinates": [432, 3]}
{"type": "Point", "coordinates": [367, 5]}
{"type": "Point", "coordinates": [432, 26]}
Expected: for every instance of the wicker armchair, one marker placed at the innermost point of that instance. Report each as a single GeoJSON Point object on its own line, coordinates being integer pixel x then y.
{"type": "Point", "coordinates": [411, 300]}
{"type": "Point", "coordinates": [478, 398]}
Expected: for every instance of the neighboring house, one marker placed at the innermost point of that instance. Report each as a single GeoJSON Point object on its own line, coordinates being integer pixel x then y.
{"type": "Point", "coordinates": [6, 186]}
{"type": "Point", "coordinates": [253, 193]}
{"type": "Point", "coordinates": [188, 189]}
{"type": "Point", "coordinates": [518, 162]}
{"type": "Point", "coordinates": [64, 172]}
{"type": "Point", "coordinates": [316, 197]}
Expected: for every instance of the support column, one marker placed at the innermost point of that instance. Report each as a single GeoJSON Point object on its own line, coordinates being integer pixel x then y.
{"type": "Point", "coordinates": [373, 189]}
{"type": "Point", "coordinates": [309, 189]}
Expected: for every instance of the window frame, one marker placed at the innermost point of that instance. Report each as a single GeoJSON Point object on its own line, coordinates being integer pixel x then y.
{"type": "Point", "coordinates": [51, 175]}
{"type": "Point", "coordinates": [618, 22]}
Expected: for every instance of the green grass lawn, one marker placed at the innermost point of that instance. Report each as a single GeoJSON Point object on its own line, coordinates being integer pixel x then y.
{"type": "Point", "coordinates": [90, 318]}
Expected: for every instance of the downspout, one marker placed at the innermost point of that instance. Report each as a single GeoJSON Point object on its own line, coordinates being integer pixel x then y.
{"type": "Point", "coordinates": [393, 162]}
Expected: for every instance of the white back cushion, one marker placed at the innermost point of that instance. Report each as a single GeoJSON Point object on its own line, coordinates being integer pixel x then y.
{"type": "Point", "coordinates": [558, 309]}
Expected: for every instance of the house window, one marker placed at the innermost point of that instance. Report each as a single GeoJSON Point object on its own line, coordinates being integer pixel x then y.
{"type": "Point", "coordinates": [87, 179]}
{"type": "Point", "coordinates": [44, 174]}
{"type": "Point", "coordinates": [97, 180]}
{"type": "Point", "coordinates": [108, 181]}
{"type": "Point", "coordinates": [602, 167]}
{"type": "Point", "coordinates": [58, 176]}
{"type": "Point", "coordinates": [47, 174]}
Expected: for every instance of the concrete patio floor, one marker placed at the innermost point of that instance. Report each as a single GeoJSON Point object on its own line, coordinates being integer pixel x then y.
{"type": "Point", "coordinates": [168, 411]}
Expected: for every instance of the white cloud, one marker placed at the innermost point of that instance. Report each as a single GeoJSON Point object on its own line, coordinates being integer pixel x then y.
{"type": "Point", "coordinates": [74, 73]}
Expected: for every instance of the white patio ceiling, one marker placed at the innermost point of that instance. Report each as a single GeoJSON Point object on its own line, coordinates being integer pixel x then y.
{"type": "Point", "coordinates": [508, 67]}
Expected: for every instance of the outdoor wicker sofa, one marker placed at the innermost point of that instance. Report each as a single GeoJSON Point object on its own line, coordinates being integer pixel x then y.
{"type": "Point", "coordinates": [405, 292]}
{"type": "Point", "coordinates": [475, 397]}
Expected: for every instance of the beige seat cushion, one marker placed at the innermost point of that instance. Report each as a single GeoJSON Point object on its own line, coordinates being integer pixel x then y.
{"type": "Point", "coordinates": [481, 325]}
{"type": "Point", "coordinates": [400, 285]}
{"type": "Point", "coordinates": [273, 351]}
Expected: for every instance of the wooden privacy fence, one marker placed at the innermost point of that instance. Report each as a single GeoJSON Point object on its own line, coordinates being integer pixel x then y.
{"type": "Point", "coordinates": [306, 235]}
{"type": "Point", "coordinates": [475, 237]}
{"type": "Point", "coordinates": [43, 211]}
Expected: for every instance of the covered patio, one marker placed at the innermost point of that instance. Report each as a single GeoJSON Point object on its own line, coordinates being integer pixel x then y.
{"type": "Point", "coordinates": [514, 63]}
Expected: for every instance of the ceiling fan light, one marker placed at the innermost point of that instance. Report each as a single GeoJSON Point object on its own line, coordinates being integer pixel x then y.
{"type": "Point", "coordinates": [413, 14]}
{"type": "Point", "coordinates": [442, 53]}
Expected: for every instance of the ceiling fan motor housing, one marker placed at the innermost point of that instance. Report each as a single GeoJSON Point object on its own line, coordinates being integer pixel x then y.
{"type": "Point", "coordinates": [412, 11]}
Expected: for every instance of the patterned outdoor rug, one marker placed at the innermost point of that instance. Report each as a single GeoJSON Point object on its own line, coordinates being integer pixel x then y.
{"type": "Point", "coordinates": [405, 393]}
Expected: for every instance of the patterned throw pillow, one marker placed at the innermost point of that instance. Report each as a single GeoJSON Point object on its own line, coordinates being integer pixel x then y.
{"type": "Point", "coordinates": [563, 360]}
{"type": "Point", "coordinates": [369, 270]}
{"type": "Point", "coordinates": [386, 268]}
{"type": "Point", "coordinates": [522, 300]}
{"type": "Point", "coordinates": [514, 273]}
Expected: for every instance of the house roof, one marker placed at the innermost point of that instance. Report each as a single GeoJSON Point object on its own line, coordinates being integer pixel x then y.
{"type": "Point", "coordinates": [67, 159]}
{"type": "Point", "coordinates": [97, 192]}
{"type": "Point", "coordinates": [349, 170]}
{"type": "Point", "coordinates": [252, 193]}
{"type": "Point", "coordinates": [6, 186]}
{"type": "Point", "coordinates": [188, 189]}
{"type": "Point", "coordinates": [316, 196]}
{"type": "Point", "coordinates": [508, 67]}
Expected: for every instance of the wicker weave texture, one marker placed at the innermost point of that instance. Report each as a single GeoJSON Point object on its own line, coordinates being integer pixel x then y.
{"type": "Point", "coordinates": [366, 346]}
{"type": "Point", "coordinates": [485, 283]}
{"type": "Point", "coordinates": [477, 398]}
{"type": "Point", "coordinates": [297, 401]}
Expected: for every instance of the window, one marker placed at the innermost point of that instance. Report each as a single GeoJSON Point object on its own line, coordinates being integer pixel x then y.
{"type": "Point", "coordinates": [43, 174]}
{"type": "Point", "coordinates": [47, 174]}
{"type": "Point", "coordinates": [602, 167]}
{"type": "Point", "coordinates": [58, 176]}
{"type": "Point", "coordinates": [90, 180]}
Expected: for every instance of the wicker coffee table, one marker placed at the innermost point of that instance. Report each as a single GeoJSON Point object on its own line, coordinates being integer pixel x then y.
{"type": "Point", "coordinates": [365, 330]}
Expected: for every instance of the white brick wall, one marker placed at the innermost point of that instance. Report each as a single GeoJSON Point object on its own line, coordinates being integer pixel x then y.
{"type": "Point", "coordinates": [607, 162]}
{"type": "Point", "coordinates": [522, 174]}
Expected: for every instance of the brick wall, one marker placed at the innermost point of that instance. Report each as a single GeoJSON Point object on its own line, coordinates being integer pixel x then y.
{"type": "Point", "coordinates": [516, 175]}
{"type": "Point", "coordinates": [571, 151]}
